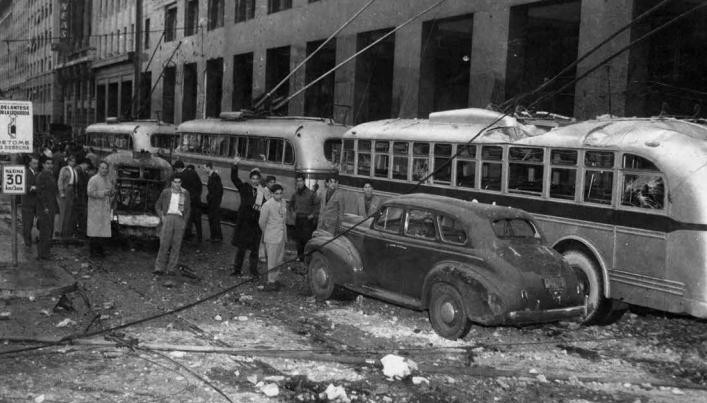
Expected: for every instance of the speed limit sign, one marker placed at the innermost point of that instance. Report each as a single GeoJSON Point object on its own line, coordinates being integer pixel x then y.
{"type": "Point", "coordinates": [13, 179]}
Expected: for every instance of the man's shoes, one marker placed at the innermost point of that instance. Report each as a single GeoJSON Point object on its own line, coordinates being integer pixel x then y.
{"type": "Point", "coordinates": [163, 273]}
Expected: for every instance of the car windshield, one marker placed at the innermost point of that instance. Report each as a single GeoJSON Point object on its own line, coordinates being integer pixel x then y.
{"type": "Point", "coordinates": [514, 228]}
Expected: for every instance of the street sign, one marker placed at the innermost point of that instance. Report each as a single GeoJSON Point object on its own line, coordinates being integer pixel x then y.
{"type": "Point", "coordinates": [13, 179]}
{"type": "Point", "coordinates": [16, 129]}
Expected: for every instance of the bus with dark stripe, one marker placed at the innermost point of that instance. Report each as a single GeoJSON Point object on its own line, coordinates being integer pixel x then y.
{"type": "Point", "coordinates": [112, 135]}
{"type": "Point", "coordinates": [624, 200]}
{"type": "Point", "coordinates": [280, 146]}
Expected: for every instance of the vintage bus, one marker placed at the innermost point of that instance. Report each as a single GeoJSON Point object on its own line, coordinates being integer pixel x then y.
{"type": "Point", "coordinates": [139, 135]}
{"type": "Point", "coordinates": [623, 199]}
{"type": "Point", "coordinates": [277, 145]}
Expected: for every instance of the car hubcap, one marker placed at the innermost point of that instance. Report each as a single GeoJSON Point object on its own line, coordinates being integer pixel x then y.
{"type": "Point", "coordinates": [321, 277]}
{"type": "Point", "coordinates": [447, 312]}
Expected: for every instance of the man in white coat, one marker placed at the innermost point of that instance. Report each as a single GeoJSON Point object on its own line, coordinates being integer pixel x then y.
{"type": "Point", "coordinates": [272, 222]}
{"type": "Point", "coordinates": [100, 192]}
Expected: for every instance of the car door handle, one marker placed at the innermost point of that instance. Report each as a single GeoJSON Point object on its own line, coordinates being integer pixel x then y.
{"type": "Point", "coordinates": [397, 246]}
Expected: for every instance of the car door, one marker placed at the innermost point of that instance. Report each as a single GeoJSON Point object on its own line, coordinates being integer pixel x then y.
{"type": "Point", "coordinates": [423, 250]}
{"type": "Point", "coordinates": [382, 246]}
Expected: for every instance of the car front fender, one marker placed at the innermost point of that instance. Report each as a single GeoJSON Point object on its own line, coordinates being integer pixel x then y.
{"type": "Point", "coordinates": [343, 257]}
{"type": "Point", "coordinates": [484, 303]}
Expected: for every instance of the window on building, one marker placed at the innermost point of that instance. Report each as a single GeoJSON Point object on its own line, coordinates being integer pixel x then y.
{"type": "Point", "coordinates": [319, 98]}
{"type": "Point", "coordinates": [146, 45]}
{"type": "Point", "coordinates": [278, 5]}
{"type": "Point", "coordinates": [170, 23]}
{"type": "Point", "coordinates": [445, 64]}
{"type": "Point", "coordinates": [191, 17]}
{"type": "Point", "coordinates": [277, 67]}
{"type": "Point", "coordinates": [245, 10]}
{"type": "Point", "coordinates": [373, 87]}
{"type": "Point", "coordinates": [242, 81]}
{"type": "Point", "coordinates": [189, 91]}
{"type": "Point", "coordinates": [168, 91]}
{"type": "Point", "coordinates": [145, 95]}
{"type": "Point", "coordinates": [215, 14]}
{"type": "Point", "coordinates": [543, 38]}
{"type": "Point", "coordinates": [214, 86]}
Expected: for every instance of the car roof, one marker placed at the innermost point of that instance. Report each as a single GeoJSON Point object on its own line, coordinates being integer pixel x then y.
{"type": "Point", "coordinates": [460, 209]}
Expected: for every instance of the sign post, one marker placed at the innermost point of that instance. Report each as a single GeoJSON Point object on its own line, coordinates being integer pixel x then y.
{"type": "Point", "coordinates": [16, 135]}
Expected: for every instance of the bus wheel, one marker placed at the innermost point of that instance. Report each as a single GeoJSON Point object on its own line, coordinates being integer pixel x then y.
{"type": "Point", "coordinates": [319, 277]}
{"type": "Point", "coordinates": [601, 310]}
{"type": "Point", "coordinates": [447, 312]}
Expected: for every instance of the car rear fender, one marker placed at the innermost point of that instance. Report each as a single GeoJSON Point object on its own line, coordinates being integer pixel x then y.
{"type": "Point", "coordinates": [344, 259]}
{"type": "Point", "coordinates": [483, 302]}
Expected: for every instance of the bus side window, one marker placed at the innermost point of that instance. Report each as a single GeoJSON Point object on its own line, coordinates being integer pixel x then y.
{"type": "Point", "coordinates": [257, 148]}
{"type": "Point", "coordinates": [191, 142]}
{"type": "Point", "coordinates": [642, 184]}
{"type": "Point", "coordinates": [400, 160]}
{"type": "Point", "coordinates": [491, 172]}
{"type": "Point", "coordinates": [348, 157]}
{"type": "Point", "coordinates": [242, 146]}
{"type": "Point", "coordinates": [233, 146]}
{"type": "Point", "coordinates": [466, 165]}
{"type": "Point", "coordinates": [563, 174]}
{"type": "Point", "coordinates": [275, 150]}
{"type": "Point", "coordinates": [382, 149]}
{"type": "Point", "coordinates": [289, 153]}
{"type": "Point", "coordinates": [420, 161]}
{"type": "Point", "coordinates": [598, 176]}
{"type": "Point", "coordinates": [364, 158]}
{"type": "Point", "coordinates": [442, 154]}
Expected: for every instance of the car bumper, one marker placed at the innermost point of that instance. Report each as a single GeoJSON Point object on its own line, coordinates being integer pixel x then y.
{"type": "Point", "coordinates": [548, 315]}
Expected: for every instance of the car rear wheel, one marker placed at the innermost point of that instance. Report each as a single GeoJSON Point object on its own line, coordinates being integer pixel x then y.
{"type": "Point", "coordinates": [447, 313]}
{"type": "Point", "coordinates": [601, 310]}
{"type": "Point", "coordinates": [319, 277]}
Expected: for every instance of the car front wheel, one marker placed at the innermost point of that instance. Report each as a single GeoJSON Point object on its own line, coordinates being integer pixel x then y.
{"type": "Point", "coordinates": [319, 277]}
{"type": "Point", "coordinates": [447, 313]}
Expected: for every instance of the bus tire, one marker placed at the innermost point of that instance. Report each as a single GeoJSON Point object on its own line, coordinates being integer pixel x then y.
{"type": "Point", "coordinates": [320, 278]}
{"type": "Point", "coordinates": [601, 310]}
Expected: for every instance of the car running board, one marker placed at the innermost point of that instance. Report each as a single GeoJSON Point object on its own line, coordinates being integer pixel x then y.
{"type": "Point", "coordinates": [389, 296]}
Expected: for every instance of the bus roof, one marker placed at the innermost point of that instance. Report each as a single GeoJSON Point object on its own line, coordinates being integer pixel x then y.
{"type": "Point", "coordinates": [129, 127]}
{"type": "Point", "coordinates": [459, 126]}
{"type": "Point", "coordinates": [287, 127]}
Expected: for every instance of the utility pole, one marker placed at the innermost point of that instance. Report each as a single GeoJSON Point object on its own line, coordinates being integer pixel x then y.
{"type": "Point", "coordinates": [137, 60]}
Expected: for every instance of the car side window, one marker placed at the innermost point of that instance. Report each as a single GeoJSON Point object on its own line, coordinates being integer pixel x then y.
{"type": "Point", "coordinates": [390, 220]}
{"type": "Point", "coordinates": [451, 230]}
{"type": "Point", "coordinates": [420, 224]}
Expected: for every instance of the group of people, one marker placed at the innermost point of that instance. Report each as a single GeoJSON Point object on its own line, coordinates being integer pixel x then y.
{"type": "Point", "coordinates": [82, 196]}
{"type": "Point", "coordinates": [69, 198]}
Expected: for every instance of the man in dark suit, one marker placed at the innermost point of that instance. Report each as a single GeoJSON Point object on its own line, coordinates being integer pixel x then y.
{"type": "Point", "coordinates": [247, 233]}
{"type": "Point", "coordinates": [29, 200]}
{"type": "Point", "coordinates": [213, 203]}
{"type": "Point", "coordinates": [47, 207]}
{"type": "Point", "coordinates": [192, 183]}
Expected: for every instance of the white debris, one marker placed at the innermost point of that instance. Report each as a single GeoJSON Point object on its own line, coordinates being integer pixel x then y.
{"type": "Point", "coordinates": [242, 318]}
{"type": "Point", "coordinates": [533, 371]}
{"type": "Point", "coordinates": [541, 378]}
{"type": "Point", "coordinates": [677, 391]}
{"type": "Point", "coordinates": [31, 297]}
{"type": "Point", "coordinates": [66, 322]}
{"type": "Point", "coordinates": [177, 354]}
{"type": "Point", "coordinates": [46, 312]}
{"type": "Point", "coordinates": [252, 379]}
{"type": "Point", "coordinates": [397, 367]}
{"type": "Point", "coordinates": [336, 393]}
{"type": "Point", "coordinates": [274, 378]}
{"type": "Point", "coordinates": [218, 318]}
{"type": "Point", "coordinates": [270, 390]}
{"type": "Point", "coordinates": [5, 315]}
{"type": "Point", "coordinates": [39, 399]}
{"type": "Point", "coordinates": [420, 379]}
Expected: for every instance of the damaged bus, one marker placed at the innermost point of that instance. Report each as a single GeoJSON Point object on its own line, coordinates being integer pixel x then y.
{"type": "Point", "coordinates": [140, 135]}
{"type": "Point", "coordinates": [622, 199]}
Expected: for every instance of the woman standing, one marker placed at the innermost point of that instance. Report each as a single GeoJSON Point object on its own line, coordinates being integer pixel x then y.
{"type": "Point", "coordinates": [100, 191]}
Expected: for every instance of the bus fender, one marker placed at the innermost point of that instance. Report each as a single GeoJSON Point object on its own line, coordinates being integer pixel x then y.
{"type": "Point", "coordinates": [574, 242]}
{"type": "Point", "coordinates": [344, 259]}
{"type": "Point", "coordinates": [482, 301]}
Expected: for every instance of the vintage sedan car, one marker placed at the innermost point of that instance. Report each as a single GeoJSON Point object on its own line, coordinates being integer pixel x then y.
{"type": "Point", "coordinates": [464, 262]}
